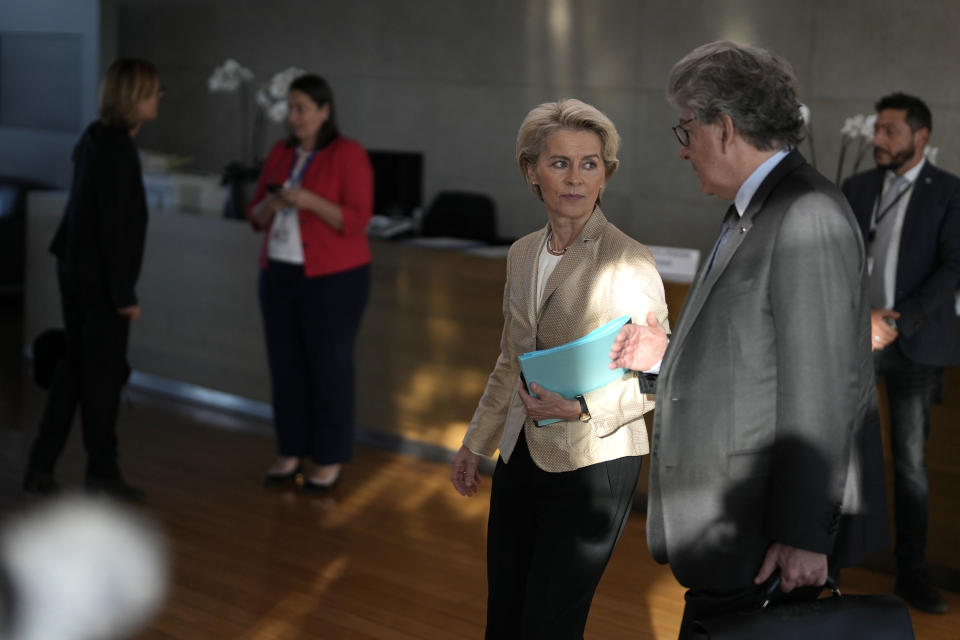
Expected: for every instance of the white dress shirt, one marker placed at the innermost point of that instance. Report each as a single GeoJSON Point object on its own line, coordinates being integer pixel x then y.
{"type": "Point", "coordinates": [900, 211]}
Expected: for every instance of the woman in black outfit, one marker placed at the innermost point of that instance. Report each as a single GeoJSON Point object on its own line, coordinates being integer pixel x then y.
{"type": "Point", "coordinates": [99, 249]}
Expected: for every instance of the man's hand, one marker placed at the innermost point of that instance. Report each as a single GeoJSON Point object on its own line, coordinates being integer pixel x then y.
{"type": "Point", "coordinates": [798, 567]}
{"type": "Point", "coordinates": [638, 347]}
{"type": "Point", "coordinates": [882, 331]}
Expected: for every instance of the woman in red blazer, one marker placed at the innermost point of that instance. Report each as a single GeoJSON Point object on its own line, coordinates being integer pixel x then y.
{"type": "Point", "coordinates": [313, 199]}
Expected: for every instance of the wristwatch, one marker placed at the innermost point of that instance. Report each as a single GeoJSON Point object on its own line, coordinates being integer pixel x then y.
{"type": "Point", "coordinates": [584, 412]}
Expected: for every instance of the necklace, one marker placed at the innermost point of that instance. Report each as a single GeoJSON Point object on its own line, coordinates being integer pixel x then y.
{"type": "Point", "coordinates": [551, 251]}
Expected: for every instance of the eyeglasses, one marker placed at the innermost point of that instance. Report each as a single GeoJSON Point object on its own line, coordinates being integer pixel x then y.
{"type": "Point", "coordinates": [682, 134]}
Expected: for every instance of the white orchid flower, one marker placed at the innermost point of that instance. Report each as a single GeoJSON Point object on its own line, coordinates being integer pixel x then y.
{"type": "Point", "coordinates": [805, 114]}
{"type": "Point", "coordinates": [263, 99]}
{"type": "Point", "coordinates": [236, 70]}
{"type": "Point", "coordinates": [867, 128]}
{"type": "Point", "coordinates": [278, 112]}
{"type": "Point", "coordinates": [228, 77]}
{"type": "Point", "coordinates": [930, 153]}
{"type": "Point", "coordinates": [852, 126]}
{"type": "Point", "coordinates": [279, 84]}
{"type": "Point", "coordinates": [219, 81]}
{"type": "Point", "coordinates": [272, 96]}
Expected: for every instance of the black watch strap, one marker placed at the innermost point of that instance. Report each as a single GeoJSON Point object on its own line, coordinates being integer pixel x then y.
{"type": "Point", "coordinates": [648, 382]}
{"type": "Point", "coordinates": [583, 405]}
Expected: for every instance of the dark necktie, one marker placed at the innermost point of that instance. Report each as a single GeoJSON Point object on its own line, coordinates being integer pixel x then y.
{"type": "Point", "coordinates": [730, 221]}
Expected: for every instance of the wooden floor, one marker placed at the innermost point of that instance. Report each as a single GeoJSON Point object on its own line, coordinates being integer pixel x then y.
{"type": "Point", "coordinates": [393, 552]}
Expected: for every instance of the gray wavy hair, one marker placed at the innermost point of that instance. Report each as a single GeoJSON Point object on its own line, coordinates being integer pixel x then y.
{"type": "Point", "coordinates": [755, 87]}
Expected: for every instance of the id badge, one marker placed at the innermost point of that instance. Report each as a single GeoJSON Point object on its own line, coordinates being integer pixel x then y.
{"type": "Point", "coordinates": [279, 233]}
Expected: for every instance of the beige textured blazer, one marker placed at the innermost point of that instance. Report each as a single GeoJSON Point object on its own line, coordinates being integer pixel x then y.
{"type": "Point", "coordinates": [603, 275]}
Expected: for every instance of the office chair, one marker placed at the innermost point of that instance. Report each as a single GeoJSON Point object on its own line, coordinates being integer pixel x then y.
{"type": "Point", "coordinates": [460, 214]}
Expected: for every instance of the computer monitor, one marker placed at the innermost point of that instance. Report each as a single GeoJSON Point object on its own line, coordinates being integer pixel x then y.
{"type": "Point", "coordinates": [397, 182]}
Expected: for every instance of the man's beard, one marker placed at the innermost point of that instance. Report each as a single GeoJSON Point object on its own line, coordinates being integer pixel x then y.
{"type": "Point", "coordinates": [897, 160]}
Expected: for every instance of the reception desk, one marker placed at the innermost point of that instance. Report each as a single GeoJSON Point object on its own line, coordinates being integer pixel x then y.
{"type": "Point", "coordinates": [428, 341]}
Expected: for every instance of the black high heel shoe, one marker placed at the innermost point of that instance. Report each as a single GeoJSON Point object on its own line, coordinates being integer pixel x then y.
{"type": "Point", "coordinates": [280, 479]}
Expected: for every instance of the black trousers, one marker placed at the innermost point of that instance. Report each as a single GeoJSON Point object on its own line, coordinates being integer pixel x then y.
{"type": "Point", "coordinates": [311, 326]}
{"type": "Point", "coordinates": [911, 389]}
{"type": "Point", "coordinates": [549, 539]}
{"type": "Point", "coordinates": [91, 375]}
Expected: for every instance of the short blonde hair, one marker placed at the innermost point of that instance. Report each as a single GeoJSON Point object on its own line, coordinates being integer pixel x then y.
{"type": "Point", "coordinates": [564, 114]}
{"type": "Point", "coordinates": [127, 82]}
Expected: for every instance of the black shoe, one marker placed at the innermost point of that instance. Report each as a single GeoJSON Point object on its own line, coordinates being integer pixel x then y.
{"type": "Point", "coordinates": [116, 488]}
{"type": "Point", "coordinates": [39, 483]}
{"type": "Point", "coordinates": [280, 479]}
{"type": "Point", "coordinates": [917, 589]}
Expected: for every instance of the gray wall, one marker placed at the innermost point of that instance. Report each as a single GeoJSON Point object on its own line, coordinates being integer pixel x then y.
{"type": "Point", "coordinates": [454, 79]}
{"type": "Point", "coordinates": [43, 153]}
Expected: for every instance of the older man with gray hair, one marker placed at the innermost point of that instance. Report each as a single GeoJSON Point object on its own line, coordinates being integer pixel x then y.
{"type": "Point", "coordinates": [765, 452]}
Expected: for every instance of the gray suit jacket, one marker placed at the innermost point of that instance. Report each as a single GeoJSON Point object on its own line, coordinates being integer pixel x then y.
{"type": "Point", "coordinates": [766, 415]}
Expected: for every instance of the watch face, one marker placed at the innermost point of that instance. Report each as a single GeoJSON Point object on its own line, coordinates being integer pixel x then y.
{"type": "Point", "coordinates": [584, 417]}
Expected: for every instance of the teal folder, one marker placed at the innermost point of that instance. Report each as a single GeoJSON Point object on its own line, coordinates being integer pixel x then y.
{"type": "Point", "coordinates": [577, 367]}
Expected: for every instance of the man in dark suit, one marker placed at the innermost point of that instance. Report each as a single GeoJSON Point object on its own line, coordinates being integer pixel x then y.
{"type": "Point", "coordinates": [909, 213]}
{"type": "Point", "coordinates": [765, 450]}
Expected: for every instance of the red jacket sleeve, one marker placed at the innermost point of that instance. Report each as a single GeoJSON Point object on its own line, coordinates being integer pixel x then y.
{"type": "Point", "coordinates": [357, 190]}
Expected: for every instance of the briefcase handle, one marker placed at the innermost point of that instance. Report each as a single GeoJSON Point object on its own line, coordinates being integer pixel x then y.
{"type": "Point", "coordinates": [774, 584]}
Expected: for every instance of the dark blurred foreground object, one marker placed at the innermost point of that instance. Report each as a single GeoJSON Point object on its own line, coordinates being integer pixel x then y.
{"type": "Point", "coordinates": [878, 617]}
{"type": "Point", "coordinates": [460, 214]}
{"type": "Point", "coordinates": [80, 569]}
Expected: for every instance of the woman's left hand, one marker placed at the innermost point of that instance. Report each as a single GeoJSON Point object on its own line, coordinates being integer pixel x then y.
{"type": "Point", "coordinates": [463, 472]}
{"type": "Point", "coordinates": [298, 197]}
{"type": "Point", "coordinates": [548, 405]}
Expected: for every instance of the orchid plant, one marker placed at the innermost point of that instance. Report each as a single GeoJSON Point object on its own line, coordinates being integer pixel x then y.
{"type": "Point", "coordinates": [856, 130]}
{"type": "Point", "coordinates": [270, 103]}
{"type": "Point", "coordinates": [232, 77]}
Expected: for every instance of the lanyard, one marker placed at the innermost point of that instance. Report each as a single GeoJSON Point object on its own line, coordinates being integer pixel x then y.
{"type": "Point", "coordinates": [295, 175]}
{"type": "Point", "coordinates": [880, 215]}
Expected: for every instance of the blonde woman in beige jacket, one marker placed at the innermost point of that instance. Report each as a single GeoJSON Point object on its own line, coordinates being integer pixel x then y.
{"type": "Point", "coordinates": [562, 492]}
